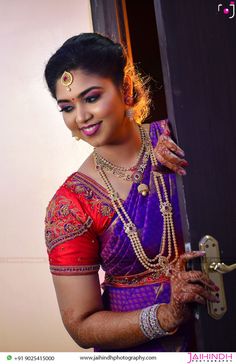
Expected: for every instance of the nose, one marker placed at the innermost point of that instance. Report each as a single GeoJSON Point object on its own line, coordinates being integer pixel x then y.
{"type": "Point", "coordinates": [82, 115]}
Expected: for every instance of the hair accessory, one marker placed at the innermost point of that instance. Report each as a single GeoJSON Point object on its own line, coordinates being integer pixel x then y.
{"type": "Point", "coordinates": [150, 325]}
{"type": "Point", "coordinates": [66, 80]}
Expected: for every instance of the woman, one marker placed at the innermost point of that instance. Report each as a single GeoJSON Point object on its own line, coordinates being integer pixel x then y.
{"type": "Point", "coordinates": [118, 211]}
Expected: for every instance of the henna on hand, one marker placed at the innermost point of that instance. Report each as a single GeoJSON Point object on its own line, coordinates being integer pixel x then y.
{"type": "Point", "coordinates": [186, 287]}
{"type": "Point", "coordinates": [170, 154]}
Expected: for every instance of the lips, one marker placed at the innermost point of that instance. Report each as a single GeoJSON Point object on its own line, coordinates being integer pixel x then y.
{"type": "Point", "coordinates": [91, 129]}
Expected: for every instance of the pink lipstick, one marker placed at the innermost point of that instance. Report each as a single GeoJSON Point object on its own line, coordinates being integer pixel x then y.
{"type": "Point", "coordinates": [91, 130]}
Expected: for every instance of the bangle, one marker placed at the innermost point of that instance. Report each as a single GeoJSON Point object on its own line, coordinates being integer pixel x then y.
{"type": "Point", "coordinates": [150, 325]}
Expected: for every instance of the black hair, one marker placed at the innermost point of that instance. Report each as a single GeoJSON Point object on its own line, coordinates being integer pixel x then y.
{"type": "Point", "coordinates": [96, 54]}
{"type": "Point", "coordinates": [90, 52]}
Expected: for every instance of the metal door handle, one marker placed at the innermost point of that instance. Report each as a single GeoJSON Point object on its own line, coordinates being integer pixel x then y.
{"type": "Point", "coordinates": [214, 269]}
{"type": "Point", "coordinates": [221, 267]}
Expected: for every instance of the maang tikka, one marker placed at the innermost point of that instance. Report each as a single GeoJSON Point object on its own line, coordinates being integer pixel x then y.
{"type": "Point", "coordinates": [67, 80]}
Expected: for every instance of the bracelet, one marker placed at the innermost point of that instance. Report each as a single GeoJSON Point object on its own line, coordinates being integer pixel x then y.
{"type": "Point", "coordinates": [150, 325]}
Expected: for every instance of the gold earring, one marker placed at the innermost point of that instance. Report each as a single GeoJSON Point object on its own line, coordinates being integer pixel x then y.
{"type": "Point", "coordinates": [76, 137]}
{"type": "Point", "coordinates": [67, 80]}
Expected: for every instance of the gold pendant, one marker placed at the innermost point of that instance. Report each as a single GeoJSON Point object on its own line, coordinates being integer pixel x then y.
{"type": "Point", "coordinates": [137, 177]}
{"type": "Point", "coordinates": [143, 189]}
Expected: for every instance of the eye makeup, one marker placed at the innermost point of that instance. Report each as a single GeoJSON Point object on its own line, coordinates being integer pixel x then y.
{"type": "Point", "coordinates": [65, 107]}
{"type": "Point", "coordinates": [82, 94]}
{"type": "Point", "coordinates": [92, 97]}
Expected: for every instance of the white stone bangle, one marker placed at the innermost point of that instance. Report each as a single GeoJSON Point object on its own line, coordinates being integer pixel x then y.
{"type": "Point", "coordinates": [150, 325]}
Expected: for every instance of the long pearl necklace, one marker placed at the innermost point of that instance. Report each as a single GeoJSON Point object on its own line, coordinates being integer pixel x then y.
{"type": "Point", "coordinates": [159, 262]}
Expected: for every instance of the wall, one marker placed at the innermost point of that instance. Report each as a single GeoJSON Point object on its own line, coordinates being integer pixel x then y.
{"type": "Point", "coordinates": [37, 153]}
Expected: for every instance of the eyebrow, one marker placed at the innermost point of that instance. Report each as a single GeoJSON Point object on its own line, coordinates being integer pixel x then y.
{"type": "Point", "coordinates": [81, 94]}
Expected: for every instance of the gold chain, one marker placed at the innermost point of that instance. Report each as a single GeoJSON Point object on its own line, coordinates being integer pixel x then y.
{"type": "Point", "coordinates": [122, 172]}
{"type": "Point", "coordinates": [159, 262]}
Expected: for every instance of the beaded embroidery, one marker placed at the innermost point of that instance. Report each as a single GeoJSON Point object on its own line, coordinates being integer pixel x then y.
{"type": "Point", "coordinates": [82, 269]}
{"type": "Point", "coordinates": [135, 280]}
{"type": "Point", "coordinates": [86, 188]}
{"type": "Point", "coordinates": [64, 221]}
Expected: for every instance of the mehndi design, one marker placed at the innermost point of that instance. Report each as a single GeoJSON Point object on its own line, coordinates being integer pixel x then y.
{"type": "Point", "coordinates": [186, 287]}
{"type": "Point", "coordinates": [167, 153]}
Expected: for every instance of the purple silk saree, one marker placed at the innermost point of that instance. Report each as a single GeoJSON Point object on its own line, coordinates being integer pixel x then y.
{"type": "Point", "coordinates": [128, 286]}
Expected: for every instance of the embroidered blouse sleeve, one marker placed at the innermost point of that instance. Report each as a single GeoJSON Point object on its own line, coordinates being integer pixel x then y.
{"type": "Point", "coordinates": [70, 237]}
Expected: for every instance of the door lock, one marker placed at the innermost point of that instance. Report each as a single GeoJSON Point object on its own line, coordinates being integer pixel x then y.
{"type": "Point", "coordinates": [214, 269]}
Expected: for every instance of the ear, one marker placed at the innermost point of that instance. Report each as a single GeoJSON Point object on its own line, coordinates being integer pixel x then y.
{"type": "Point", "coordinates": [128, 90]}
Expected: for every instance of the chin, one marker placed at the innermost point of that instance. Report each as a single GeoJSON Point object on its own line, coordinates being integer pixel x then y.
{"type": "Point", "coordinates": [101, 139]}
{"type": "Point", "coordinates": [94, 142]}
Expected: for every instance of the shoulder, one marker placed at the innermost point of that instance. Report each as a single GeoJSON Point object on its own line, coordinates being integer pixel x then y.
{"type": "Point", "coordinates": [70, 235]}
{"type": "Point", "coordinates": [72, 223]}
{"type": "Point", "coordinates": [65, 217]}
{"type": "Point", "coordinates": [77, 206]}
{"type": "Point", "coordinates": [82, 190]}
{"type": "Point", "coordinates": [63, 198]}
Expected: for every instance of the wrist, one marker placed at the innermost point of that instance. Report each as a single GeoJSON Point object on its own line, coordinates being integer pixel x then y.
{"type": "Point", "coordinates": [167, 318]}
{"type": "Point", "coordinates": [150, 325]}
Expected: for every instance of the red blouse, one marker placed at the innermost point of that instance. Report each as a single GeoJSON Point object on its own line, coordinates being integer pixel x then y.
{"type": "Point", "coordinates": [79, 211]}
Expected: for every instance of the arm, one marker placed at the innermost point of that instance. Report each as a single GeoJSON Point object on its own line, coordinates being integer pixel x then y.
{"type": "Point", "coordinates": [79, 295]}
{"type": "Point", "coordinates": [83, 315]}
{"type": "Point", "coordinates": [90, 325]}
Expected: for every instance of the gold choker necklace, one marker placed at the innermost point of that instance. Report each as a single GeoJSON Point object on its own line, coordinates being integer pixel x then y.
{"type": "Point", "coordinates": [133, 173]}
{"type": "Point", "coordinates": [159, 262]}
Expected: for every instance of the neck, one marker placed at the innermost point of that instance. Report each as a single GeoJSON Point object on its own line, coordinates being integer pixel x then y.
{"type": "Point", "coordinates": [123, 153]}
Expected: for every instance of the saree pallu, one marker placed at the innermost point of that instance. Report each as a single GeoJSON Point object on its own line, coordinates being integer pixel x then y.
{"type": "Point", "coordinates": [127, 285]}
{"type": "Point", "coordinates": [82, 232]}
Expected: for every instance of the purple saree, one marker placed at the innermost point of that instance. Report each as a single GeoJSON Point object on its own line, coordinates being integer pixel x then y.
{"type": "Point", "coordinates": [128, 286]}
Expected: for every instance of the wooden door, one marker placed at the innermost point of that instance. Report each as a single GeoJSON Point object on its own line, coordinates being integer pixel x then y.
{"type": "Point", "coordinates": [198, 50]}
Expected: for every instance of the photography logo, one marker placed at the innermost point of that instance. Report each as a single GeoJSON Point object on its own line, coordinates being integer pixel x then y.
{"type": "Point", "coordinates": [228, 11]}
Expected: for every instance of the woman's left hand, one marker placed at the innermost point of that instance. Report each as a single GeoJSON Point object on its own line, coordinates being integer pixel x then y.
{"type": "Point", "coordinates": [186, 287]}
{"type": "Point", "coordinates": [169, 154]}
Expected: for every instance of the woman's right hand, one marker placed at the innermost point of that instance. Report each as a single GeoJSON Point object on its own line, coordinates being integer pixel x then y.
{"type": "Point", "coordinates": [186, 287]}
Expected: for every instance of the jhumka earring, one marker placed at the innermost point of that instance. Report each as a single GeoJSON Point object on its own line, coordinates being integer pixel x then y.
{"type": "Point", "coordinates": [76, 137]}
{"type": "Point", "coordinates": [130, 113]}
{"type": "Point", "coordinates": [66, 80]}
